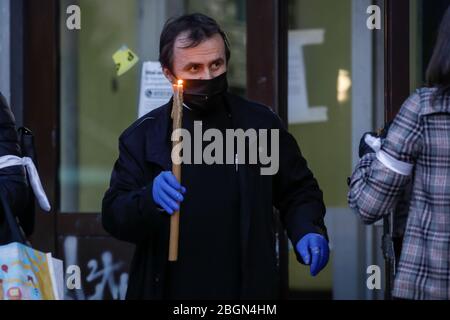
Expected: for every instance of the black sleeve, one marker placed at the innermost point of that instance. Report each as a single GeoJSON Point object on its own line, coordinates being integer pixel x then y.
{"type": "Point", "coordinates": [13, 181]}
{"type": "Point", "coordinates": [13, 206]}
{"type": "Point", "coordinates": [128, 210]}
{"type": "Point", "coordinates": [9, 142]}
{"type": "Point", "coordinates": [296, 192]}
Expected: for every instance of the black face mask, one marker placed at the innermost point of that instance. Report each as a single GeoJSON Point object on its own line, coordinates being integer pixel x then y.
{"type": "Point", "coordinates": [204, 95]}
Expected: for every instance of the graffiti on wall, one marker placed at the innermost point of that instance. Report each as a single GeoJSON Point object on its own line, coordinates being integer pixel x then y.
{"type": "Point", "coordinates": [103, 275]}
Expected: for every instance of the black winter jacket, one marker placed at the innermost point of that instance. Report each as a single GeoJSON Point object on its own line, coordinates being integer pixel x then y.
{"type": "Point", "coordinates": [130, 214]}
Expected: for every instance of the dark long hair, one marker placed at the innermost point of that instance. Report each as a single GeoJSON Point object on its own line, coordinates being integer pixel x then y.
{"type": "Point", "coordinates": [438, 73]}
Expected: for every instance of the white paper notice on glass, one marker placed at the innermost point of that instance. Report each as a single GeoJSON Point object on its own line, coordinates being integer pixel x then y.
{"type": "Point", "coordinates": [156, 90]}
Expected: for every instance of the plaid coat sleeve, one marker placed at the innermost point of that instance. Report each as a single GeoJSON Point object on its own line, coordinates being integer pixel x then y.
{"type": "Point", "coordinates": [375, 189]}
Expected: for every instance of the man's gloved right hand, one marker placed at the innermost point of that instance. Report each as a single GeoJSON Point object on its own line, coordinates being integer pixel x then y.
{"type": "Point", "coordinates": [167, 192]}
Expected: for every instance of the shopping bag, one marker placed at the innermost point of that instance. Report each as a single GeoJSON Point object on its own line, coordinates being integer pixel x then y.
{"type": "Point", "coordinates": [28, 274]}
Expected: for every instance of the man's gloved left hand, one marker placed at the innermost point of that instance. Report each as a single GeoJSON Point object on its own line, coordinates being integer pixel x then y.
{"type": "Point", "coordinates": [314, 250]}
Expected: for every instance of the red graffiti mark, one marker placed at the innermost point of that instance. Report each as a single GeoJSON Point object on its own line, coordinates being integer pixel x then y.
{"type": "Point", "coordinates": [5, 268]}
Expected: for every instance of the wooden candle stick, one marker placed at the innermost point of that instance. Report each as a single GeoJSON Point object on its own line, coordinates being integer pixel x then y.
{"type": "Point", "coordinates": [177, 121]}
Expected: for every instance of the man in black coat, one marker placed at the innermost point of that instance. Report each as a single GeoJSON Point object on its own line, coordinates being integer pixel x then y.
{"type": "Point", "coordinates": [227, 247]}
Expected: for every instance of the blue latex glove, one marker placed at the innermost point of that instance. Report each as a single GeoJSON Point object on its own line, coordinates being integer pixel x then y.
{"type": "Point", "coordinates": [167, 192]}
{"type": "Point", "coordinates": [313, 248]}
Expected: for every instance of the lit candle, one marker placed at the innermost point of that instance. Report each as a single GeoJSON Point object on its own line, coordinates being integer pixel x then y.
{"type": "Point", "coordinates": [177, 99]}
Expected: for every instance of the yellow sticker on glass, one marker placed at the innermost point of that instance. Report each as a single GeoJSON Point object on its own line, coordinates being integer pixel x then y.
{"type": "Point", "coordinates": [125, 59]}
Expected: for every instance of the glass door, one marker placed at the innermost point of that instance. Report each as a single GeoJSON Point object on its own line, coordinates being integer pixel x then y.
{"type": "Point", "coordinates": [96, 106]}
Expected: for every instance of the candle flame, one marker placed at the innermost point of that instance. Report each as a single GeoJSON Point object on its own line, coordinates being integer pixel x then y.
{"type": "Point", "coordinates": [180, 82]}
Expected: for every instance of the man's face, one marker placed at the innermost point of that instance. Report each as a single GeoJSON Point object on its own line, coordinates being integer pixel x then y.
{"type": "Point", "coordinates": [205, 61]}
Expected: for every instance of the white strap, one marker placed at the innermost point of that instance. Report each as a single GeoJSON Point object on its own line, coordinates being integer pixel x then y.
{"type": "Point", "coordinates": [388, 161]}
{"type": "Point", "coordinates": [393, 164]}
{"type": "Point", "coordinates": [373, 142]}
{"type": "Point", "coordinates": [36, 185]}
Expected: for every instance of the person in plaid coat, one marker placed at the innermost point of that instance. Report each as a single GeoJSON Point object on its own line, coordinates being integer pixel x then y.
{"type": "Point", "coordinates": [416, 150]}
